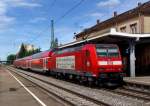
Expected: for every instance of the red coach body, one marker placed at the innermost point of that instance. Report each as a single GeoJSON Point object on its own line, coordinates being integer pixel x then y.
{"type": "Point", "coordinates": [22, 63]}
{"type": "Point", "coordinates": [41, 61]}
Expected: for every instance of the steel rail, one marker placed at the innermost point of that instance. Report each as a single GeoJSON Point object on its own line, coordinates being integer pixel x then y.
{"type": "Point", "coordinates": [98, 102]}
{"type": "Point", "coordinates": [48, 91]}
{"type": "Point", "coordinates": [130, 93]}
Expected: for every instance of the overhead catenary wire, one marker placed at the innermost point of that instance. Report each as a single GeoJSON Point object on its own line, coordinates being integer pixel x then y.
{"type": "Point", "coordinates": [43, 31]}
{"type": "Point", "coordinates": [69, 11]}
{"type": "Point", "coordinates": [52, 3]}
{"type": "Point", "coordinates": [40, 33]}
{"type": "Point", "coordinates": [60, 18]}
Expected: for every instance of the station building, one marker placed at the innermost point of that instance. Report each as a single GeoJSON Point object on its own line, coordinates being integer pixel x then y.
{"type": "Point", "coordinates": [131, 31]}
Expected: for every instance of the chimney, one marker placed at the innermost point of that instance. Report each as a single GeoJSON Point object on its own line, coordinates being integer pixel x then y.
{"type": "Point", "coordinates": [139, 4]}
{"type": "Point", "coordinates": [98, 21]}
{"type": "Point", "coordinates": [115, 13]}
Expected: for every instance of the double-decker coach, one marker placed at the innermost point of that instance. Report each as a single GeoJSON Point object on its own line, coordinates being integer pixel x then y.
{"type": "Point", "coordinates": [41, 61]}
{"type": "Point", "coordinates": [37, 62]}
{"type": "Point", "coordinates": [23, 62]}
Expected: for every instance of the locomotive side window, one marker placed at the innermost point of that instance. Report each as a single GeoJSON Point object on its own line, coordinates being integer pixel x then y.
{"type": "Point", "coordinates": [61, 51]}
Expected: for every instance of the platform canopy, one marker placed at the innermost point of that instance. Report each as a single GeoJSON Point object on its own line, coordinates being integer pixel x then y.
{"type": "Point", "coordinates": [112, 36]}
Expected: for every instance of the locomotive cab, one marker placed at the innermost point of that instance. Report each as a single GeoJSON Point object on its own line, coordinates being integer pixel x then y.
{"type": "Point", "coordinates": [109, 63]}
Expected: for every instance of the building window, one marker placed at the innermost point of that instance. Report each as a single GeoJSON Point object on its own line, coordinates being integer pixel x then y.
{"type": "Point", "coordinates": [123, 29]}
{"type": "Point", "coordinates": [133, 28]}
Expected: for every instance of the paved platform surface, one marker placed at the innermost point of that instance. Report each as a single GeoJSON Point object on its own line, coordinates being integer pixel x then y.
{"type": "Point", "coordinates": [138, 80]}
{"type": "Point", "coordinates": [12, 93]}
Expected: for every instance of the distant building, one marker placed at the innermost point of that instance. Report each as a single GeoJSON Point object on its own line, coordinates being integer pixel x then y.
{"type": "Point", "coordinates": [133, 21]}
{"type": "Point", "coordinates": [29, 47]}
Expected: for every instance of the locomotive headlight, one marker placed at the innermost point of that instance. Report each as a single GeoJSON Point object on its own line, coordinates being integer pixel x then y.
{"type": "Point", "coordinates": [88, 63]}
{"type": "Point", "coordinates": [102, 63]}
{"type": "Point", "coordinates": [117, 62]}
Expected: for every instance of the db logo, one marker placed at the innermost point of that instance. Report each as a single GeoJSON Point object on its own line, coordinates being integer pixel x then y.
{"type": "Point", "coordinates": [110, 63]}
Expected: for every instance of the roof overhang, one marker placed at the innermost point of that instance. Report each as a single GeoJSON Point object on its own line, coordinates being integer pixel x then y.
{"type": "Point", "coordinates": [112, 33]}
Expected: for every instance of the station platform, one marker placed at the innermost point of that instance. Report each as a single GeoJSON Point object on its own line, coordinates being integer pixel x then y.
{"type": "Point", "coordinates": [145, 81]}
{"type": "Point", "coordinates": [12, 93]}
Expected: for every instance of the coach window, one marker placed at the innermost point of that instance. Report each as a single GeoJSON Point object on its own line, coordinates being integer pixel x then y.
{"type": "Point", "coordinates": [78, 48]}
{"type": "Point", "coordinates": [59, 52]}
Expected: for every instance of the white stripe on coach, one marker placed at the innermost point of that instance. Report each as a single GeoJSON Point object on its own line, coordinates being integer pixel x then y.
{"type": "Point", "coordinates": [33, 95]}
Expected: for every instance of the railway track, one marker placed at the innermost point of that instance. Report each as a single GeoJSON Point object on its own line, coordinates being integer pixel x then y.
{"type": "Point", "coordinates": [131, 93]}
{"type": "Point", "coordinates": [69, 96]}
{"type": "Point", "coordinates": [137, 90]}
{"type": "Point", "coordinates": [89, 96]}
{"type": "Point", "coordinates": [134, 93]}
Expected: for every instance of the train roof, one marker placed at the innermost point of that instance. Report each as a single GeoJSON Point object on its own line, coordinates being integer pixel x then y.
{"type": "Point", "coordinates": [25, 58]}
{"type": "Point", "coordinates": [42, 54]}
{"type": "Point", "coordinates": [37, 55]}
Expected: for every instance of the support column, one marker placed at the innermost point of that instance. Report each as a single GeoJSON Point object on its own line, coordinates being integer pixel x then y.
{"type": "Point", "coordinates": [132, 58]}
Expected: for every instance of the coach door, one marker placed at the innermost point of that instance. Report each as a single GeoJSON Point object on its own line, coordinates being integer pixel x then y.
{"type": "Point", "coordinates": [26, 64]}
{"type": "Point", "coordinates": [29, 64]}
{"type": "Point", "coordinates": [44, 63]}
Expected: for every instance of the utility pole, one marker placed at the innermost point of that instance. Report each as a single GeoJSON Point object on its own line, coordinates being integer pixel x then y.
{"type": "Point", "coordinates": [52, 34]}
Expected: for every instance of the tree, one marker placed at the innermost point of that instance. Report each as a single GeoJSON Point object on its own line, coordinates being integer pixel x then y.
{"type": "Point", "coordinates": [37, 50]}
{"type": "Point", "coordinates": [56, 43]}
{"type": "Point", "coordinates": [22, 52]}
{"type": "Point", "coordinates": [11, 58]}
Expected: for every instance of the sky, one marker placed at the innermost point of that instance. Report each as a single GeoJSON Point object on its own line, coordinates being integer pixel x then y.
{"type": "Point", "coordinates": [28, 21]}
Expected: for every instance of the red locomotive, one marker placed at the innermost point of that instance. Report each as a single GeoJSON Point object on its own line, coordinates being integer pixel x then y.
{"type": "Point", "coordinates": [99, 63]}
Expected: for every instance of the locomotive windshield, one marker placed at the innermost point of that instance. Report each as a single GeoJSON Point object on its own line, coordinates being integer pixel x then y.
{"type": "Point", "coordinates": [113, 52]}
{"type": "Point", "coordinates": [102, 52]}
{"type": "Point", "coordinates": [107, 51]}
